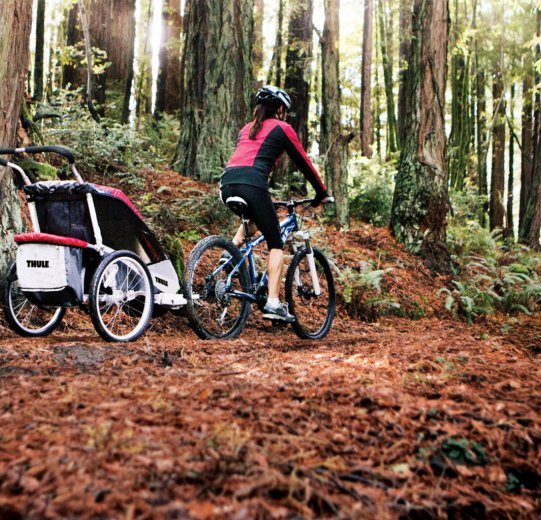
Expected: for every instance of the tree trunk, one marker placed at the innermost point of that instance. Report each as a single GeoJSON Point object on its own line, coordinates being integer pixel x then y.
{"type": "Point", "coordinates": [404, 50]}
{"type": "Point", "coordinates": [89, 63]}
{"type": "Point", "coordinates": [218, 85]}
{"type": "Point", "coordinates": [421, 202]}
{"type": "Point", "coordinates": [38, 57]}
{"type": "Point", "coordinates": [482, 142]}
{"type": "Point", "coordinates": [111, 26]}
{"type": "Point", "coordinates": [496, 209]}
{"type": "Point", "coordinates": [143, 81]}
{"type": "Point", "coordinates": [70, 73]}
{"type": "Point", "coordinates": [366, 80]}
{"type": "Point", "coordinates": [526, 154]}
{"type": "Point", "coordinates": [15, 28]}
{"type": "Point", "coordinates": [509, 227]}
{"type": "Point", "coordinates": [388, 79]}
{"type": "Point", "coordinates": [297, 79]}
{"type": "Point", "coordinates": [333, 145]}
{"type": "Point", "coordinates": [257, 54]}
{"type": "Point", "coordinates": [529, 232]}
{"type": "Point", "coordinates": [125, 117]}
{"type": "Point", "coordinates": [460, 138]}
{"type": "Point", "coordinates": [275, 71]}
{"type": "Point", "coordinates": [168, 82]}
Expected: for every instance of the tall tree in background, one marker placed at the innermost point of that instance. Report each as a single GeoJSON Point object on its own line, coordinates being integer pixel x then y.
{"type": "Point", "coordinates": [526, 153]}
{"type": "Point", "coordinates": [70, 72]}
{"type": "Point", "coordinates": [509, 223]}
{"type": "Point", "coordinates": [460, 138]}
{"type": "Point", "coordinates": [366, 82]}
{"type": "Point", "coordinates": [297, 78]}
{"type": "Point", "coordinates": [298, 61]}
{"type": "Point", "coordinates": [497, 185]}
{"type": "Point", "coordinates": [404, 51]}
{"type": "Point", "coordinates": [143, 81]}
{"type": "Point", "coordinates": [388, 79]}
{"type": "Point", "coordinates": [257, 54]}
{"type": "Point", "coordinates": [15, 27]}
{"type": "Point", "coordinates": [40, 43]}
{"type": "Point", "coordinates": [111, 26]}
{"type": "Point", "coordinates": [332, 144]}
{"type": "Point", "coordinates": [218, 85]}
{"type": "Point", "coordinates": [531, 223]}
{"type": "Point", "coordinates": [275, 71]}
{"type": "Point", "coordinates": [168, 81]}
{"type": "Point", "coordinates": [421, 201]}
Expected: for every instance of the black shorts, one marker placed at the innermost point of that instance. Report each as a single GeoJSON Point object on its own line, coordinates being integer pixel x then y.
{"type": "Point", "coordinates": [261, 210]}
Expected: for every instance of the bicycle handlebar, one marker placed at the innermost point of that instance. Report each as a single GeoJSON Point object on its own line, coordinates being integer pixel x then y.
{"type": "Point", "coordinates": [60, 150]}
{"type": "Point", "coordinates": [3, 163]}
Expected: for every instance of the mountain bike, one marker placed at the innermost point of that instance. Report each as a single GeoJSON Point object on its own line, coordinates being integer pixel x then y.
{"type": "Point", "coordinates": [222, 281]}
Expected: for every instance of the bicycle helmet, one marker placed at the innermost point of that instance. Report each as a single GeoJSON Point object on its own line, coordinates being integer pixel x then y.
{"type": "Point", "coordinates": [273, 96]}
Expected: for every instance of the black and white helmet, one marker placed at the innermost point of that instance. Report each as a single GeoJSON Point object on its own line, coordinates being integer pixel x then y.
{"type": "Point", "coordinates": [273, 96]}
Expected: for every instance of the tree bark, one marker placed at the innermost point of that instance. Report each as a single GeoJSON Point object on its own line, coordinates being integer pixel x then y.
{"type": "Point", "coordinates": [404, 50]}
{"type": "Point", "coordinates": [526, 154]}
{"type": "Point", "coordinates": [496, 208]}
{"type": "Point", "coordinates": [366, 82]}
{"type": "Point", "coordinates": [297, 79]}
{"type": "Point", "coordinates": [509, 223]}
{"type": "Point", "coordinates": [275, 71]}
{"type": "Point", "coordinates": [257, 54]}
{"type": "Point", "coordinates": [38, 57]}
{"type": "Point", "coordinates": [71, 74]}
{"type": "Point", "coordinates": [333, 146]}
{"type": "Point", "coordinates": [89, 66]}
{"type": "Point", "coordinates": [420, 202]}
{"type": "Point", "coordinates": [388, 80]}
{"type": "Point", "coordinates": [168, 82]}
{"type": "Point", "coordinates": [15, 28]}
{"type": "Point", "coordinates": [529, 232]}
{"type": "Point", "coordinates": [218, 85]}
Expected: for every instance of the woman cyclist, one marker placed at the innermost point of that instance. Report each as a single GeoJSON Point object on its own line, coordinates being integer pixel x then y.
{"type": "Point", "coordinates": [259, 146]}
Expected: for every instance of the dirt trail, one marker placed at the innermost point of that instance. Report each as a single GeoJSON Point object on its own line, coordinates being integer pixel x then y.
{"type": "Point", "coordinates": [400, 418]}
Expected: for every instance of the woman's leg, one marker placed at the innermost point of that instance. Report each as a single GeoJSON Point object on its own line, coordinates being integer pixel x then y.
{"type": "Point", "coordinates": [238, 239]}
{"type": "Point", "coordinates": [275, 265]}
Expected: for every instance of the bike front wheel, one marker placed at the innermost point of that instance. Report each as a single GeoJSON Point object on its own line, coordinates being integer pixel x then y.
{"type": "Point", "coordinates": [213, 311]}
{"type": "Point", "coordinates": [312, 306]}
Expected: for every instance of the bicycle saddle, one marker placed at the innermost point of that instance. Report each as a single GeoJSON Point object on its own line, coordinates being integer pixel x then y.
{"type": "Point", "coordinates": [237, 205]}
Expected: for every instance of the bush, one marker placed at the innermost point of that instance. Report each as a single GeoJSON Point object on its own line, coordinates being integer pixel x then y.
{"type": "Point", "coordinates": [371, 192]}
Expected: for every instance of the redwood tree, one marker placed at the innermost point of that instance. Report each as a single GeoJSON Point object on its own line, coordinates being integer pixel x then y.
{"type": "Point", "coordinates": [218, 85]}
{"type": "Point", "coordinates": [333, 147]}
{"type": "Point", "coordinates": [421, 202]}
{"type": "Point", "coordinates": [15, 27]}
{"type": "Point", "coordinates": [366, 81]}
{"type": "Point", "coordinates": [168, 82]}
{"type": "Point", "coordinates": [38, 56]}
{"type": "Point", "coordinates": [496, 208]}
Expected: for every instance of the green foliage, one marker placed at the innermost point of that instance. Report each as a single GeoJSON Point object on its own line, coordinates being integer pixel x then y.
{"type": "Point", "coordinates": [487, 285]}
{"type": "Point", "coordinates": [371, 192]}
{"type": "Point", "coordinates": [365, 295]}
{"type": "Point", "coordinates": [110, 148]}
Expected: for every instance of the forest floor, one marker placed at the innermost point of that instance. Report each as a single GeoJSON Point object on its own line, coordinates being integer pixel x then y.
{"type": "Point", "coordinates": [384, 419]}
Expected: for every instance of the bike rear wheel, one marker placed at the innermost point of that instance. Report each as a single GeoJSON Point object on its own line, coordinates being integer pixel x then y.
{"type": "Point", "coordinates": [313, 313]}
{"type": "Point", "coordinates": [212, 311]}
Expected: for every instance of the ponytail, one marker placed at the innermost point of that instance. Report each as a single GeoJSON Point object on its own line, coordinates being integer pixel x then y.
{"type": "Point", "coordinates": [261, 112]}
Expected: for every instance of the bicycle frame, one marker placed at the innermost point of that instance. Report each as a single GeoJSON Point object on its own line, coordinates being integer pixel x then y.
{"type": "Point", "coordinates": [288, 226]}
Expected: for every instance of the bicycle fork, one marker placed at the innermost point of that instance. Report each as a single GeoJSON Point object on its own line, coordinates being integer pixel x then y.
{"type": "Point", "coordinates": [304, 237]}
